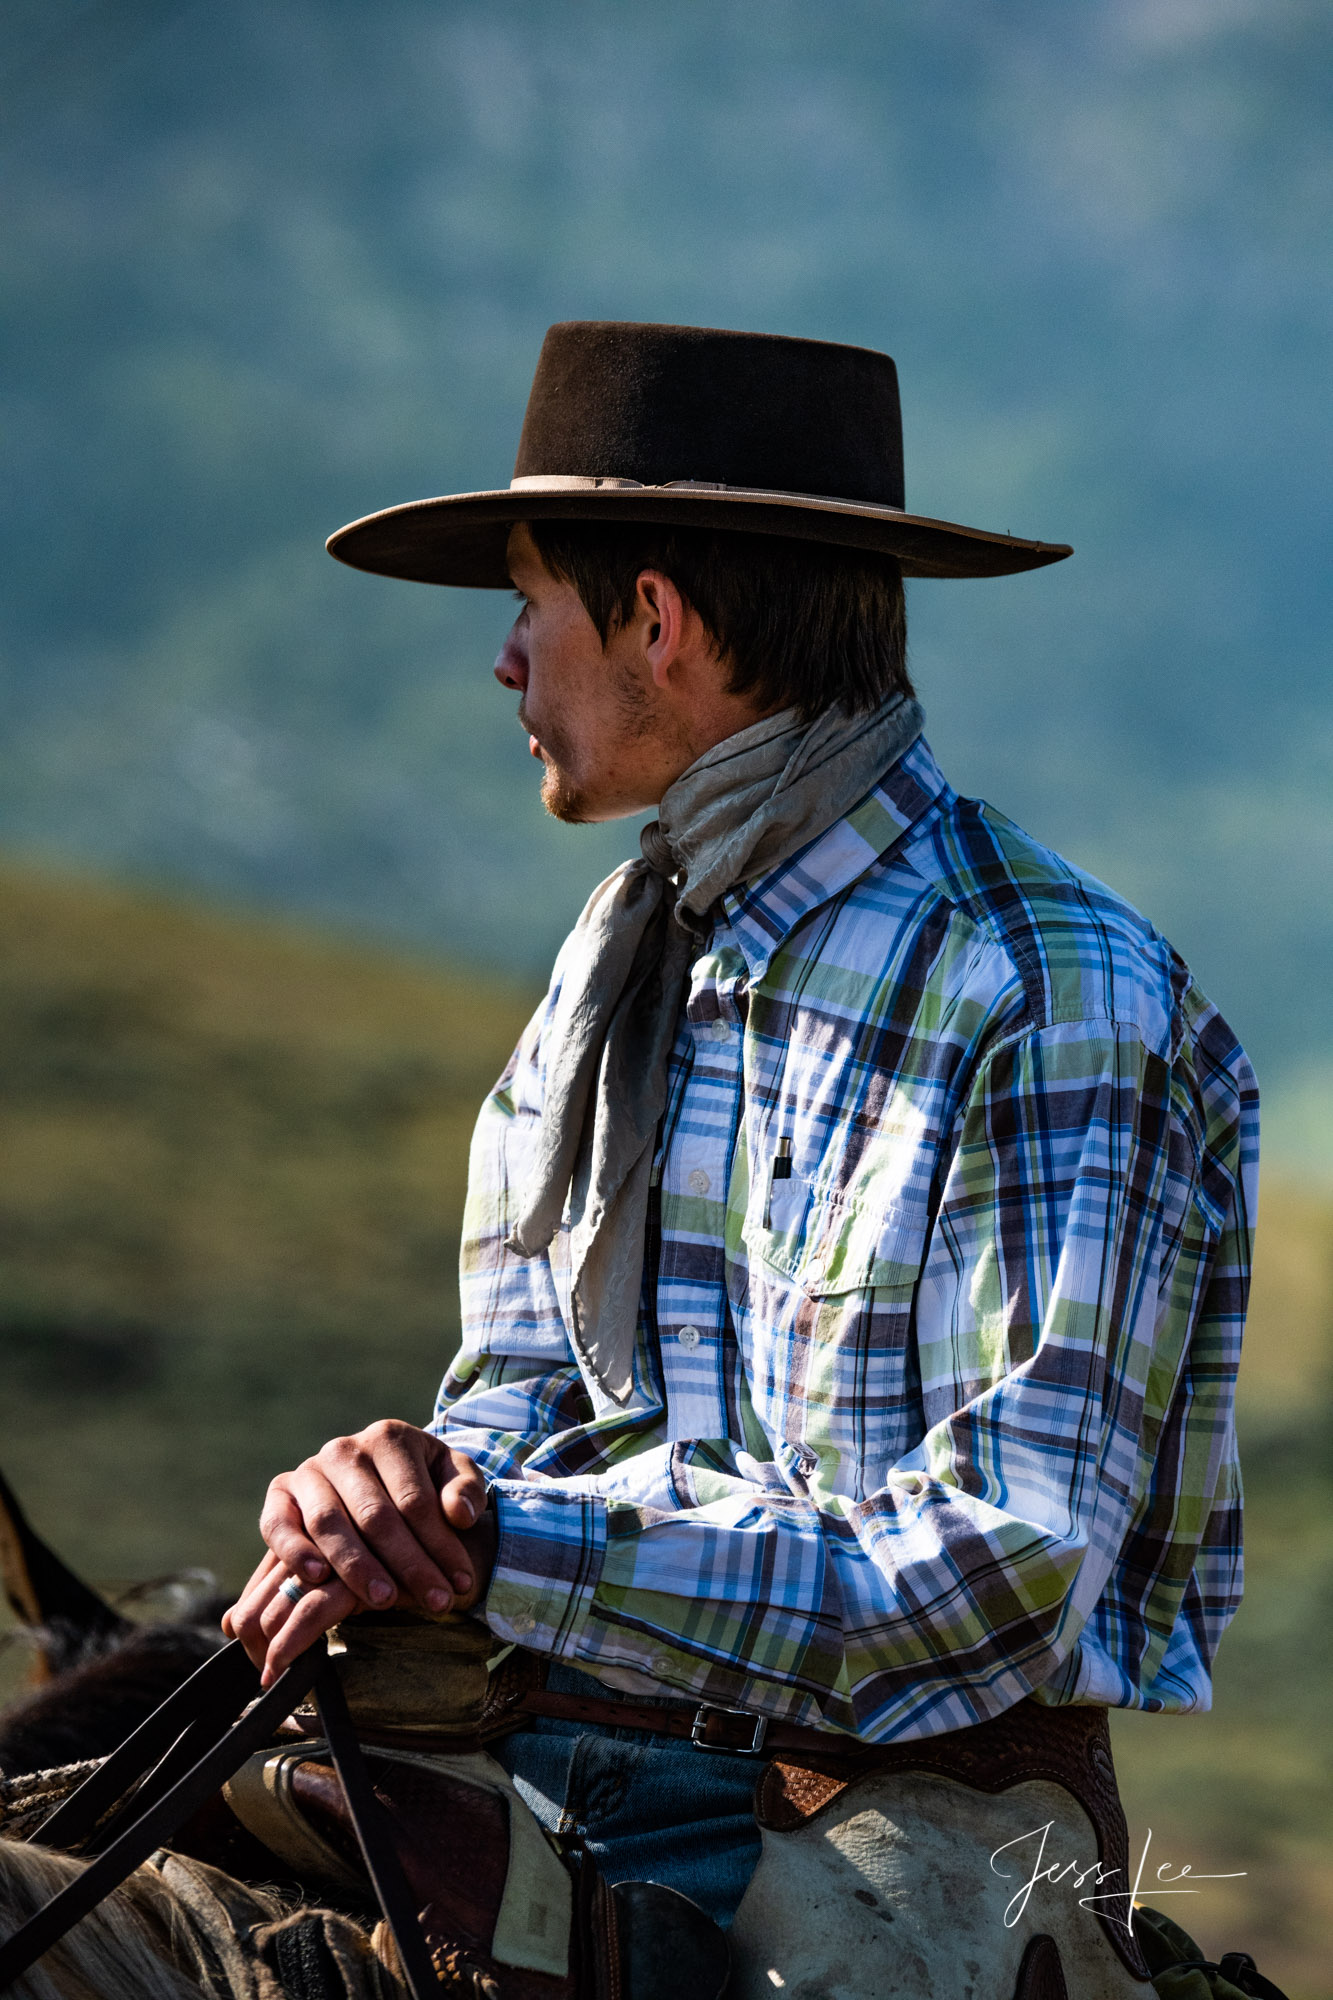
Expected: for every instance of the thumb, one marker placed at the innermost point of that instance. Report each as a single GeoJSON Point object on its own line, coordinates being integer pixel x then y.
{"type": "Point", "coordinates": [463, 1495]}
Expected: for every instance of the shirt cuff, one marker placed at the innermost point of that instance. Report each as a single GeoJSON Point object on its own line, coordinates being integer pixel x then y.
{"type": "Point", "coordinates": [548, 1563]}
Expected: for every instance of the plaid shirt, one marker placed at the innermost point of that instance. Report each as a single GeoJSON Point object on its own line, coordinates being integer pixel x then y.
{"type": "Point", "coordinates": [945, 1279]}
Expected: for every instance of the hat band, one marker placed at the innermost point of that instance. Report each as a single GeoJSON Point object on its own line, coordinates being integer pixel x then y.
{"type": "Point", "coordinates": [579, 482]}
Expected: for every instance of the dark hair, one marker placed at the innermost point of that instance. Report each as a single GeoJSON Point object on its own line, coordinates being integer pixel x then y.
{"type": "Point", "coordinates": [800, 624]}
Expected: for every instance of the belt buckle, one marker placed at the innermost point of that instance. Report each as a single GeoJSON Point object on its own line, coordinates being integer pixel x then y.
{"type": "Point", "coordinates": [751, 1749]}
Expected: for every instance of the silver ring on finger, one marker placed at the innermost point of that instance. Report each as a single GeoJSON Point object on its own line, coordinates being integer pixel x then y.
{"type": "Point", "coordinates": [293, 1590]}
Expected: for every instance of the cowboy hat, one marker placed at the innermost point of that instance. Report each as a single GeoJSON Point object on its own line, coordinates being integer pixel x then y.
{"type": "Point", "coordinates": [690, 426]}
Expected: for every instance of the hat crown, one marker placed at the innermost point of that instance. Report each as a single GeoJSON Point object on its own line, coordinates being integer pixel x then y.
{"type": "Point", "coordinates": [658, 404]}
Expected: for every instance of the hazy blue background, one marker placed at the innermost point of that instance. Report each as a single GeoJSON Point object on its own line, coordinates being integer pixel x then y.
{"type": "Point", "coordinates": [267, 266]}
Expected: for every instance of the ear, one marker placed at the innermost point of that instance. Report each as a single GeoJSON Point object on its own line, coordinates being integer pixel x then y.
{"type": "Point", "coordinates": [665, 622]}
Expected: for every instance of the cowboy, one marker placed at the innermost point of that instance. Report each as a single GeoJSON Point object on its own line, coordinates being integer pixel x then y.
{"type": "Point", "coordinates": [856, 1245]}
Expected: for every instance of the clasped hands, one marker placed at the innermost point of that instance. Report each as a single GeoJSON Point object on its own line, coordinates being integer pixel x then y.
{"type": "Point", "coordinates": [389, 1517]}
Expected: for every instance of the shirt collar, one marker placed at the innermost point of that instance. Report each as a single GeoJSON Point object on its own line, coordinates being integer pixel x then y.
{"type": "Point", "coordinates": [764, 912]}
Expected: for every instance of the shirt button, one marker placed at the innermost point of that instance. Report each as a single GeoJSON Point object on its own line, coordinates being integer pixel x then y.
{"type": "Point", "coordinates": [663, 1665]}
{"type": "Point", "coordinates": [699, 1182]}
{"type": "Point", "coordinates": [523, 1622]}
{"type": "Point", "coordinates": [689, 1337]}
{"type": "Point", "coordinates": [720, 1031]}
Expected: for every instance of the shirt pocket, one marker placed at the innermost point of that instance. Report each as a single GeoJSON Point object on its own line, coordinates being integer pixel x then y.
{"type": "Point", "coordinates": [827, 1245]}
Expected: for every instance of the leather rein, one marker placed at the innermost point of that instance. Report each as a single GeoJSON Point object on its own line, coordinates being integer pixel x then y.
{"type": "Point", "coordinates": [184, 1752]}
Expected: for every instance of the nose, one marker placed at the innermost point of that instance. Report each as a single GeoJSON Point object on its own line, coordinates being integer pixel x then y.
{"type": "Point", "coordinates": [511, 667]}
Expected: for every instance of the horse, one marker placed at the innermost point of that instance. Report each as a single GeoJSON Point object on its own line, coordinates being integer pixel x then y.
{"type": "Point", "coordinates": [175, 1929]}
{"type": "Point", "coordinates": [95, 1674]}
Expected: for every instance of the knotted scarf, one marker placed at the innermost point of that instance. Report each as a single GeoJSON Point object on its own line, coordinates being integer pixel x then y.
{"type": "Point", "coordinates": [741, 809]}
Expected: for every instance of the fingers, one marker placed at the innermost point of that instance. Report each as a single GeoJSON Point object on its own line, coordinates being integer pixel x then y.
{"type": "Point", "coordinates": [273, 1628]}
{"type": "Point", "coordinates": [481, 1543]}
{"type": "Point", "coordinates": [289, 1628]}
{"type": "Point", "coordinates": [283, 1527]}
{"type": "Point", "coordinates": [463, 1496]}
{"type": "Point", "coordinates": [412, 1466]}
{"type": "Point", "coordinates": [368, 1509]}
{"type": "Point", "coordinates": [263, 1570]}
{"type": "Point", "coordinates": [244, 1620]}
{"type": "Point", "coordinates": [349, 1522]}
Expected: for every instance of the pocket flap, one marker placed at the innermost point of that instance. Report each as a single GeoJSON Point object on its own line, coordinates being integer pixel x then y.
{"type": "Point", "coordinates": [828, 1245]}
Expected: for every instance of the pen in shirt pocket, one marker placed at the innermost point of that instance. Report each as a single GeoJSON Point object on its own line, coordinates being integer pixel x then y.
{"type": "Point", "coordinates": [779, 1170]}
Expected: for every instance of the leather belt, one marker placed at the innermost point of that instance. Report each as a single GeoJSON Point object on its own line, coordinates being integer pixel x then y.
{"type": "Point", "coordinates": [706, 1727]}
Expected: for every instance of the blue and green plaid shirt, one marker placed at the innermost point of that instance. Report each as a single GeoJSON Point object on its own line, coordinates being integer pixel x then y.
{"type": "Point", "coordinates": [943, 1295]}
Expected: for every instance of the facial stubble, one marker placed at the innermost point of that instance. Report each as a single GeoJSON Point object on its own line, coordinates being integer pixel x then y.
{"type": "Point", "coordinates": [562, 797]}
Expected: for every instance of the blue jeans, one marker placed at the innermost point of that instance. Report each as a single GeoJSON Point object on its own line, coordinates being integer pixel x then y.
{"type": "Point", "coordinates": [648, 1809]}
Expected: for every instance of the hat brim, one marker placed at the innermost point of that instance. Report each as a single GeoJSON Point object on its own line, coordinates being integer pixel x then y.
{"type": "Point", "coordinates": [460, 538]}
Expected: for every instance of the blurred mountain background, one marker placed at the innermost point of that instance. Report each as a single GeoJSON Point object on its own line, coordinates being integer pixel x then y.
{"type": "Point", "coordinates": [276, 890]}
{"type": "Point", "coordinates": [271, 265]}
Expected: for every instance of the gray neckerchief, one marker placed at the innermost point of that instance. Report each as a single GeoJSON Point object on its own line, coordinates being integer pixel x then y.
{"type": "Point", "coordinates": [741, 809]}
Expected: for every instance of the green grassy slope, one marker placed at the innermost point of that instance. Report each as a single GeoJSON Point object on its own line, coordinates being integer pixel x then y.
{"type": "Point", "coordinates": [230, 1185]}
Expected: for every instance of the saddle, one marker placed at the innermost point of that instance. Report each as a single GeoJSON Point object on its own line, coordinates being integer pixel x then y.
{"type": "Point", "coordinates": [425, 1707]}
{"type": "Point", "coordinates": [476, 1899]}
{"type": "Point", "coordinates": [805, 1771]}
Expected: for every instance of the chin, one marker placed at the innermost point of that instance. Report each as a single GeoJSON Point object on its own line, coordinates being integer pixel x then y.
{"type": "Point", "coordinates": [563, 799]}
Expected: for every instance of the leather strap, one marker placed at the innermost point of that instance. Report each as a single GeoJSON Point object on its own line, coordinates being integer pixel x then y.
{"type": "Point", "coordinates": [1047, 1737]}
{"type": "Point", "coordinates": [148, 1830]}
{"type": "Point", "coordinates": [201, 1754]}
{"type": "Point", "coordinates": [217, 1691]}
{"type": "Point", "coordinates": [707, 1727]}
{"type": "Point", "coordinates": [374, 1835]}
{"type": "Point", "coordinates": [1041, 1975]}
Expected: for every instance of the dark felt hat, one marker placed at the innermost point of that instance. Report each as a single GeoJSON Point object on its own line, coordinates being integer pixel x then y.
{"type": "Point", "coordinates": [693, 427]}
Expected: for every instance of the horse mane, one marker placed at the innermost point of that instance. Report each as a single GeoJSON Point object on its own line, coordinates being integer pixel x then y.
{"type": "Point", "coordinates": [120, 1951]}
